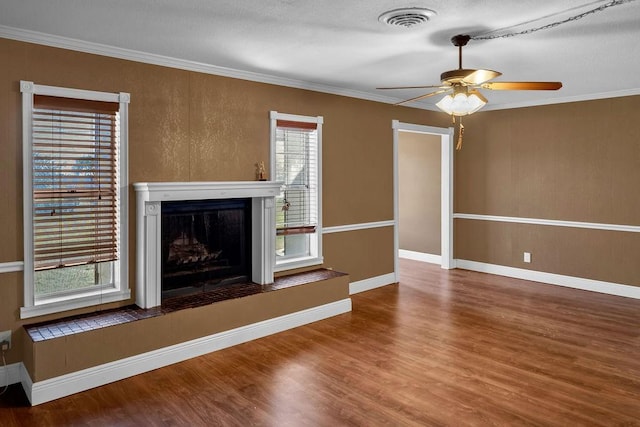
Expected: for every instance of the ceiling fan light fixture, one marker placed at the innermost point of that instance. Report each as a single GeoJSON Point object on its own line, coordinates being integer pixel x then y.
{"type": "Point", "coordinates": [460, 104]}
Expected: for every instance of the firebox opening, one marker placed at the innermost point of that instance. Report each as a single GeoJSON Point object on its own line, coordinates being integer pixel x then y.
{"type": "Point", "coordinates": [206, 245]}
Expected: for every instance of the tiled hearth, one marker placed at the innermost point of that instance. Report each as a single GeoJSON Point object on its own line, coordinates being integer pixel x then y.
{"type": "Point", "coordinates": [88, 322]}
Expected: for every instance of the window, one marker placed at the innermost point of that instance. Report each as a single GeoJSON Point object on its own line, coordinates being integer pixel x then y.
{"type": "Point", "coordinates": [296, 143]}
{"type": "Point", "coordinates": [75, 191]}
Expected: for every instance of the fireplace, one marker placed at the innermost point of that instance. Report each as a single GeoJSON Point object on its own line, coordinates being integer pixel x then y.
{"type": "Point", "coordinates": [188, 236]}
{"type": "Point", "coordinates": [206, 244]}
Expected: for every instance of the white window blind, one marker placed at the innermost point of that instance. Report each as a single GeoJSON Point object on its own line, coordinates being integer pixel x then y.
{"type": "Point", "coordinates": [296, 166]}
{"type": "Point", "coordinates": [296, 162]}
{"type": "Point", "coordinates": [74, 179]}
{"type": "Point", "coordinates": [75, 163]}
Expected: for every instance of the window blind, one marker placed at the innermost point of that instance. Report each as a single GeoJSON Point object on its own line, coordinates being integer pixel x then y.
{"type": "Point", "coordinates": [296, 166]}
{"type": "Point", "coordinates": [75, 205]}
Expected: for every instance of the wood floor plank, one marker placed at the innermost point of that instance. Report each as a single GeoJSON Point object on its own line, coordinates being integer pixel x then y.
{"type": "Point", "coordinates": [439, 348]}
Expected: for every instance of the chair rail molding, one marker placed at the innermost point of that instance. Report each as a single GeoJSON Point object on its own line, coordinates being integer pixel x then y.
{"type": "Point", "coordinates": [550, 222]}
{"type": "Point", "coordinates": [10, 267]}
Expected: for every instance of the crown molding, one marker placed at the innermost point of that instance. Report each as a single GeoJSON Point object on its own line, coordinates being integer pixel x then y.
{"type": "Point", "coordinates": [166, 61]}
{"type": "Point", "coordinates": [563, 100]}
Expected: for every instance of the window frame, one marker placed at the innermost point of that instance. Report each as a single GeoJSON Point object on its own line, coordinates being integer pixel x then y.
{"type": "Point", "coordinates": [316, 257]}
{"type": "Point", "coordinates": [37, 306]}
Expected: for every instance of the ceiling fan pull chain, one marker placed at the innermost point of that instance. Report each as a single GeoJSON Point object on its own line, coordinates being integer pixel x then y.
{"type": "Point", "coordinates": [460, 134]}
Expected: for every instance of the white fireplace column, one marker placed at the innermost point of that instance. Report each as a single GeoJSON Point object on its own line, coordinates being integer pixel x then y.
{"type": "Point", "coordinates": [149, 198]}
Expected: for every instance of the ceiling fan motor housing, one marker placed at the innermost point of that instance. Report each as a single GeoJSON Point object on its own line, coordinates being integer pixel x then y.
{"type": "Point", "coordinates": [455, 76]}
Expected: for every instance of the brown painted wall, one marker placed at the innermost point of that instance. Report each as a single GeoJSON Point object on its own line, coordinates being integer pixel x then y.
{"type": "Point", "coordinates": [364, 253]}
{"type": "Point", "coordinates": [577, 161]}
{"type": "Point", "coordinates": [610, 256]}
{"type": "Point", "coordinates": [187, 126]}
{"type": "Point", "coordinates": [419, 192]}
{"type": "Point", "coordinates": [573, 162]}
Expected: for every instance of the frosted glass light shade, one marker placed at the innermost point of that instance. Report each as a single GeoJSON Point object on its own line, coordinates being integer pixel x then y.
{"type": "Point", "coordinates": [461, 104]}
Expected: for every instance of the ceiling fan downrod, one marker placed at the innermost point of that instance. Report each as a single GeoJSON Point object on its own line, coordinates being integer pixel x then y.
{"type": "Point", "coordinates": [460, 40]}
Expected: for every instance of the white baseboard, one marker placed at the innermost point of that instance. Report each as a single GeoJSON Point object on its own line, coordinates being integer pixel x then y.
{"type": "Point", "coordinates": [65, 385]}
{"type": "Point", "coordinates": [371, 283]}
{"type": "Point", "coordinates": [10, 374]}
{"type": "Point", "coordinates": [420, 256]}
{"type": "Point", "coordinates": [553, 279]}
{"type": "Point", "coordinates": [25, 379]}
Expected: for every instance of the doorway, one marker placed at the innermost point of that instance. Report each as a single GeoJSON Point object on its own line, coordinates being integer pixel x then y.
{"type": "Point", "coordinates": [445, 136]}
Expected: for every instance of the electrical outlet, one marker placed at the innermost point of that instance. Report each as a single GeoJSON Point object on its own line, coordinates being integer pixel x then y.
{"type": "Point", "coordinates": [5, 336]}
{"type": "Point", "coordinates": [527, 257]}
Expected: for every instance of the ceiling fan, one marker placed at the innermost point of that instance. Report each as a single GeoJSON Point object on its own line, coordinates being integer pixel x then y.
{"type": "Point", "coordinates": [461, 86]}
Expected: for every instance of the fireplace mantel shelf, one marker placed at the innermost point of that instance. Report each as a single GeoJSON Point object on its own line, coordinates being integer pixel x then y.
{"type": "Point", "coordinates": [198, 190]}
{"type": "Point", "coordinates": [149, 198]}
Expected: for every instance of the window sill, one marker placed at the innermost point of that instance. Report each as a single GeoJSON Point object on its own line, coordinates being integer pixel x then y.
{"type": "Point", "coordinates": [58, 305]}
{"type": "Point", "coordinates": [290, 264]}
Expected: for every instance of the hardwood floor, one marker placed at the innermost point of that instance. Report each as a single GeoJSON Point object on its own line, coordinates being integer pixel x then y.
{"type": "Point", "coordinates": [441, 348]}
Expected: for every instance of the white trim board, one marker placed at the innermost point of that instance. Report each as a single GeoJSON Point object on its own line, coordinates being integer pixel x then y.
{"type": "Point", "coordinates": [10, 374]}
{"type": "Point", "coordinates": [182, 64]}
{"type": "Point", "coordinates": [355, 227]}
{"type": "Point", "coordinates": [65, 385]}
{"type": "Point", "coordinates": [420, 256]}
{"type": "Point", "coordinates": [446, 191]}
{"type": "Point", "coordinates": [564, 99]}
{"type": "Point", "coordinates": [11, 267]}
{"type": "Point", "coordinates": [372, 283]}
{"type": "Point", "coordinates": [551, 222]}
{"type": "Point", "coordinates": [45, 39]}
{"type": "Point", "coordinates": [553, 279]}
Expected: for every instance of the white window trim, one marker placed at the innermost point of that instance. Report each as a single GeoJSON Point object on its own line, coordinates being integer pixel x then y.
{"type": "Point", "coordinates": [36, 307]}
{"type": "Point", "coordinates": [299, 262]}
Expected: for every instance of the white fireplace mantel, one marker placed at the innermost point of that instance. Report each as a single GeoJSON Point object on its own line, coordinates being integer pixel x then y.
{"type": "Point", "coordinates": [149, 198]}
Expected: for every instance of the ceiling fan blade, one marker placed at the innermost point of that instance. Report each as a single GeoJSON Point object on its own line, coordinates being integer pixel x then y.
{"type": "Point", "coordinates": [479, 95]}
{"type": "Point", "coordinates": [423, 96]}
{"type": "Point", "coordinates": [412, 87]}
{"type": "Point", "coordinates": [522, 85]}
{"type": "Point", "coordinates": [480, 76]}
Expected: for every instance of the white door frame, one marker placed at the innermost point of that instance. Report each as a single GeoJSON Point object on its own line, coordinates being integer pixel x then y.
{"type": "Point", "coordinates": [446, 159]}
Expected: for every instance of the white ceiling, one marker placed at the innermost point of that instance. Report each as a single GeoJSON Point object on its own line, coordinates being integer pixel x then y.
{"type": "Point", "coordinates": [341, 47]}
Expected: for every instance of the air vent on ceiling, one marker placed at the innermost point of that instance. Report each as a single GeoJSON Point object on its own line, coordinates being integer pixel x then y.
{"type": "Point", "coordinates": [406, 17]}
